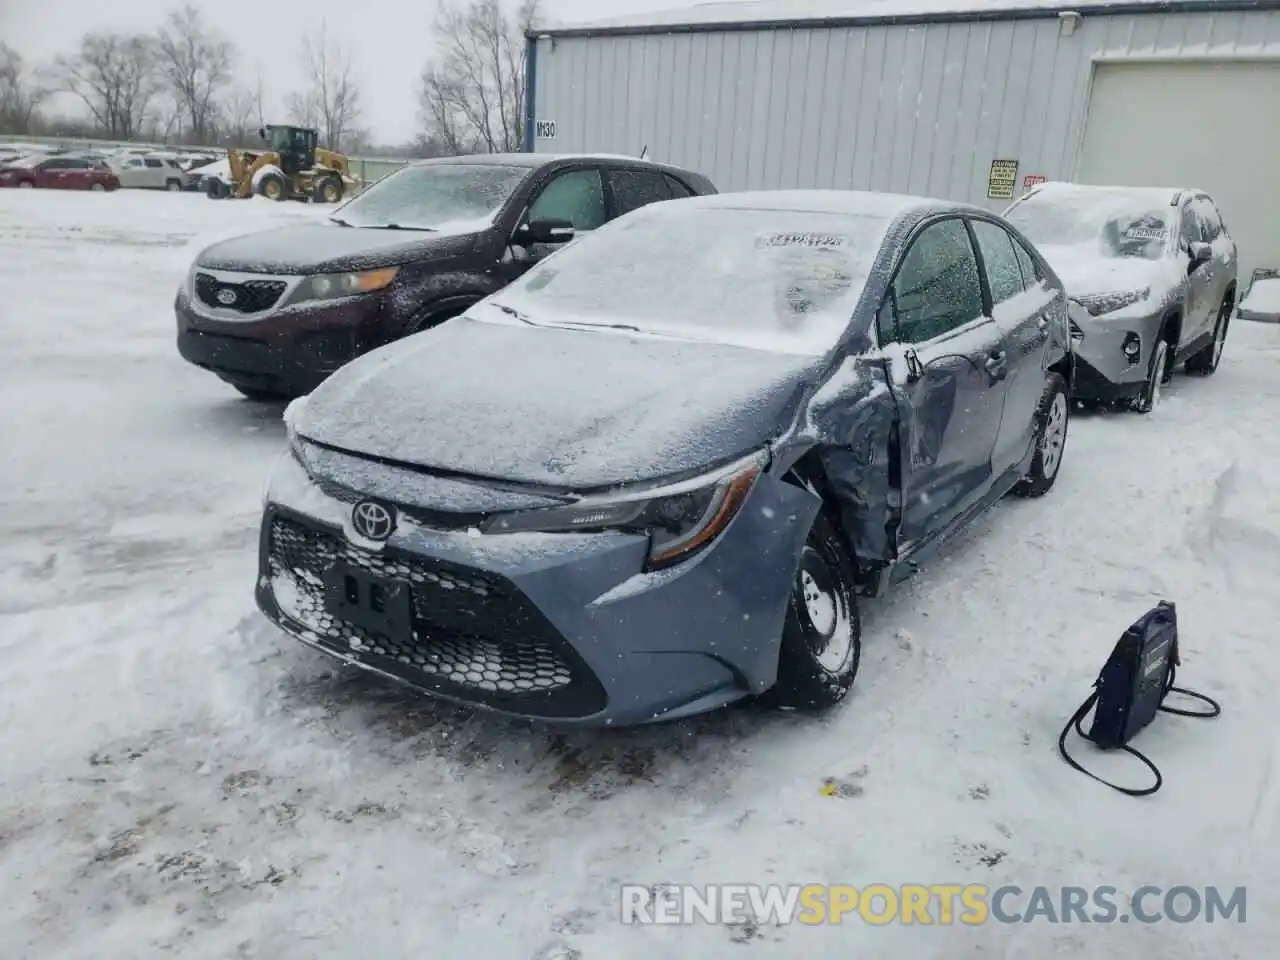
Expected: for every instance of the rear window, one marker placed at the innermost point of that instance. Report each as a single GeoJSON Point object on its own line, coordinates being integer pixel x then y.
{"type": "Point", "coordinates": [779, 280]}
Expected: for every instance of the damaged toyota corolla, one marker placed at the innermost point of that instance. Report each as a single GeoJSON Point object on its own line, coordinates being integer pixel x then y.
{"type": "Point", "coordinates": [652, 476]}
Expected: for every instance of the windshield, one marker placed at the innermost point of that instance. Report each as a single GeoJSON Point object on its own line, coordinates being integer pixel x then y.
{"type": "Point", "coordinates": [434, 196]}
{"type": "Point", "coordinates": [770, 279]}
{"type": "Point", "coordinates": [1104, 225]}
{"type": "Point", "coordinates": [29, 161]}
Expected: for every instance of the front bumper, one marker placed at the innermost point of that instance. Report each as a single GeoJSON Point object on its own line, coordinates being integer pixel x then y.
{"type": "Point", "coordinates": [1103, 372]}
{"type": "Point", "coordinates": [292, 351]}
{"type": "Point", "coordinates": [562, 628]}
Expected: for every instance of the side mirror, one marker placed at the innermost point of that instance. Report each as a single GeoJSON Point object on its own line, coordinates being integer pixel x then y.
{"type": "Point", "coordinates": [544, 231]}
{"type": "Point", "coordinates": [262, 133]}
{"type": "Point", "coordinates": [1200, 253]}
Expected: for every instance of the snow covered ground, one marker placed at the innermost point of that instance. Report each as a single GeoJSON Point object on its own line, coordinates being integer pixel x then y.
{"type": "Point", "coordinates": [179, 779]}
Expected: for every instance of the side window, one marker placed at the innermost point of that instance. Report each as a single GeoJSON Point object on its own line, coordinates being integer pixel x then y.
{"type": "Point", "coordinates": [633, 189]}
{"type": "Point", "coordinates": [153, 163]}
{"type": "Point", "coordinates": [1207, 215]}
{"type": "Point", "coordinates": [576, 196]}
{"type": "Point", "coordinates": [936, 288]}
{"type": "Point", "coordinates": [678, 189]}
{"type": "Point", "coordinates": [1190, 226]}
{"type": "Point", "coordinates": [135, 164]}
{"type": "Point", "coordinates": [1030, 272]}
{"type": "Point", "coordinates": [998, 256]}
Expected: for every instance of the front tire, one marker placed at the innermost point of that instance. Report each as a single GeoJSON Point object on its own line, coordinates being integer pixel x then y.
{"type": "Point", "coordinates": [1157, 376]}
{"type": "Point", "coordinates": [98, 187]}
{"type": "Point", "coordinates": [328, 190]}
{"type": "Point", "coordinates": [822, 636]}
{"type": "Point", "coordinates": [273, 187]}
{"type": "Point", "coordinates": [173, 186]}
{"type": "Point", "coordinates": [1052, 419]}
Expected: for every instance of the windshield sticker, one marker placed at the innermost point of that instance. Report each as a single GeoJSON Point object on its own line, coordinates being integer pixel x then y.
{"type": "Point", "coordinates": [815, 240]}
{"type": "Point", "coordinates": [1146, 233]}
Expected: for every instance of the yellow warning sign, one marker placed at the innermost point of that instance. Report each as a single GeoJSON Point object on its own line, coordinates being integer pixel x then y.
{"type": "Point", "coordinates": [1004, 174]}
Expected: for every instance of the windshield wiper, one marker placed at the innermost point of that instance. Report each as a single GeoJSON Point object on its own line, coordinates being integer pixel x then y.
{"type": "Point", "coordinates": [396, 226]}
{"type": "Point", "coordinates": [599, 326]}
{"type": "Point", "coordinates": [339, 221]}
{"type": "Point", "coordinates": [512, 312]}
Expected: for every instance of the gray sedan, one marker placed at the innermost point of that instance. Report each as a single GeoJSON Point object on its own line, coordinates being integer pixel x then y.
{"type": "Point", "coordinates": [1155, 273]}
{"type": "Point", "coordinates": [653, 475]}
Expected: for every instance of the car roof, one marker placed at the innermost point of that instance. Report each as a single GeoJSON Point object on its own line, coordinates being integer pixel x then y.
{"type": "Point", "coordinates": [533, 161]}
{"type": "Point", "coordinates": [842, 202]}
{"type": "Point", "coordinates": [1158, 196]}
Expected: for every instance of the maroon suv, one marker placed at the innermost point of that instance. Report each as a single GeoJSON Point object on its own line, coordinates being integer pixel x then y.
{"type": "Point", "coordinates": [58, 173]}
{"type": "Point", "coordinates": [274, 313]}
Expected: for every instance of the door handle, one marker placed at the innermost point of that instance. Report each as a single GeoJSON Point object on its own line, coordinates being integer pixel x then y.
{"type": "Point", "coordinates": [996, 366]}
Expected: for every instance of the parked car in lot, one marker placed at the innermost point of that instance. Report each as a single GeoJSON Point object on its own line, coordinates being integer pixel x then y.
{"type": "Point", "coordinates": [58, 173]}
{"type": "Point", "coordinates": [274, 313]}
{"type": "Point", "coordinates": [652, 475]}
{"type": "Point", "coordinates": [150, 172]}
{"type": "Point", "coordinates": [1154, 269]}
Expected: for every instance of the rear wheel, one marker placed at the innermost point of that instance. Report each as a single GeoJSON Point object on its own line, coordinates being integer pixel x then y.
{"type": "Point", "coordinates": [822, 635]}
{"type": "Point", "coordinates": [98, 187]}
{"type": "Point", "coordinates": [1052, 418]}
{"type": "Point", "coordinates": [327, 190]}
{"type": "Point", "coordinates": [1205, 363]}
{"type": "Point", "coordinates": [26, 185]}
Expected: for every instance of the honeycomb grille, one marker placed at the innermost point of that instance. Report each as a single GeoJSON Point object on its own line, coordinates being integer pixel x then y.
{"type": "Point", "coordinates": [252, 296]}
{"type": "Point", "coordinates": [474, 635]}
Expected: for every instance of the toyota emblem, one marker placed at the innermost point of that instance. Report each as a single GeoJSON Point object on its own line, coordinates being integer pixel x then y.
{"type": "Point", "coordinates": [372, 520]}
{"type": "Point", "coordinates": [226, 296]}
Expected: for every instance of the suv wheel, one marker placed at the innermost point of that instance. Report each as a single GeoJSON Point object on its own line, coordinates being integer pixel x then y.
{"type": "Point", "coordinates": [822, 635]}
{"type": "Point", "coordinates": [1157, 376]}
{"type": "Point", "coordinates": [1052, 419]}
{"type": "Point", "coordinates": [1205, 363]}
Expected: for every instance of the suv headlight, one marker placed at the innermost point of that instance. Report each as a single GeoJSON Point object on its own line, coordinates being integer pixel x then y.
{"type": "Point", "coordinates": [334, 286]}
{"type": "Point", "coordinates": [680, 518]}
{"type": "Point", "coordinates": [1099, 303]}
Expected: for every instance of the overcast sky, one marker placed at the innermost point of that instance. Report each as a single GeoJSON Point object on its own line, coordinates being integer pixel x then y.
{"type": "Point", "coordinates": [389, 39]}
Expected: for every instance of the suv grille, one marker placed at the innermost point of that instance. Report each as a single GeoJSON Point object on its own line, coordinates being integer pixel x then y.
{"type": "Point", "coordinates": [252, 296]}
{"type": "Point", "coordinates": [475, 635]}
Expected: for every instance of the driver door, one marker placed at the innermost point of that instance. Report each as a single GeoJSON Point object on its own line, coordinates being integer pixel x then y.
{"type": "Point", "coordinates": [575, 195]}
{"type": "Point", "coordinates": [1201, 310]}
{"type": "Point", "coordinates": [950, 386]}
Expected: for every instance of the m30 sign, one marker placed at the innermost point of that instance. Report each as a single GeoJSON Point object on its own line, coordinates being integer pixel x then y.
{"type": "Point", "coordinates": [545, 129]}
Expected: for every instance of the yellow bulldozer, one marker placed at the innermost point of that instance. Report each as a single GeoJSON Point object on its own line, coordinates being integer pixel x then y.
{"type": "Point", "coordinates": [292, 167]}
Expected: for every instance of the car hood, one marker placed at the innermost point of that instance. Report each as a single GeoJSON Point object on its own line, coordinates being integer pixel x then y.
{"type": "Point", "coordinates": [1084, 274]}
{"type": "Point", "coordinates": [561, 408]}
{"type": "Point", "coordinates": [329, 248]}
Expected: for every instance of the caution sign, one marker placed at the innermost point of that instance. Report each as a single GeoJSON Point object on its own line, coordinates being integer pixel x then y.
{"type": "Point", "coordinates": [1004, 175]}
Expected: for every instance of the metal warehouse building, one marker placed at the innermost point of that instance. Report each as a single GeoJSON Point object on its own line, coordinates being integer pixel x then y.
{"type": "Point", "coordinates": [952, 98]}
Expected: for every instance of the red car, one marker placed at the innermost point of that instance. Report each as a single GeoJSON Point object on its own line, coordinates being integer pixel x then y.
{"type": "Point", "coordinates": [58, 173]}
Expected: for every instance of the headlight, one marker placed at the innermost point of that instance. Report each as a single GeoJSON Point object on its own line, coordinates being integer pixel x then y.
{"type": "Point", "coordinates": [1100, 303]}
{"type": "Point", "coordinates": [680, 518]}
{"type": "Point", "coordinates": [290, 417]}
{"type": "Point", "coordinates": [332, 286]}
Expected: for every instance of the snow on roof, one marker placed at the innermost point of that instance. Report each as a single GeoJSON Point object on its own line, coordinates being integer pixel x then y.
{"type": "Point", "coordinates": [725, 12]}
{"type": "Point", "coordinates": [850, 202]}
{"type": "Point", "coordinates": [1156, 195]}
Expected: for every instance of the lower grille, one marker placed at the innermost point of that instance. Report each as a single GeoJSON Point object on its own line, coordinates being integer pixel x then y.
{"type": "Point", "coordinates": [251, 296]}
{"type": "Point", "coordinates": [475, 636]}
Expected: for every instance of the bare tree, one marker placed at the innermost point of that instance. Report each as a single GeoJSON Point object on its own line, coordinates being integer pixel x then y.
{"type": "Point", "coordinates": [20, 96]}
{"type": "Point", "coordinates": [331, 100]}
{"type": "Point", "coordinates": [240, 113]}
{"type": "Point", "coordinates": [114, 74]}
{"type": "Point", "coordinates": [473, 87]}
{"type": "Point", "coordinates": [196, 66]}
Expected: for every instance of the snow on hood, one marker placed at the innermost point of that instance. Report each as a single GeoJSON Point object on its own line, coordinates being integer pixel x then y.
{"type": "Point", "coordinates": [568, 409]}
{"type": "Point", "coordinates": [329, 248]}
{"type": "Point", "coordinates": [1084, 273]}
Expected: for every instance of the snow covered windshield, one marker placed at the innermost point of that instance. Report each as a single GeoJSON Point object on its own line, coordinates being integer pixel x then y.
{"type": "Point", "coordinates": [1104, 224]}
{"type": "Point", "coordinates": [771, 279]}
{"type": "Point", "coordinates": [436, 195]}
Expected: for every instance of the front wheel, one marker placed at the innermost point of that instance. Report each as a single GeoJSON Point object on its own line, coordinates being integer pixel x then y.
{"type": "Point", "coordinates": [98, 187]}
{"type": "Point", "coordinates": [1052, 417]}
{"type": "Point", "coordinates": [26, 185]}
{"type": "Point", "coordinates": [1157, 376]}
{"type": "Point", "coordinates": [822, 635]}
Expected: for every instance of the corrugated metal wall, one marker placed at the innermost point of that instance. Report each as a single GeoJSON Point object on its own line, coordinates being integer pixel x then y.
{"type": "Point", "coordinates": [914, 109]}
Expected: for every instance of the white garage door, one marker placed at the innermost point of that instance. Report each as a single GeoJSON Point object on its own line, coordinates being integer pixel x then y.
{"type": "Point", "coordinates": [1208, 125]}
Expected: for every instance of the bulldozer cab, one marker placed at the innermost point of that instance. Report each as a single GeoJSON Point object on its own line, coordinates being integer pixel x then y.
{"type": "Point", "coordinates": [296, 147]}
